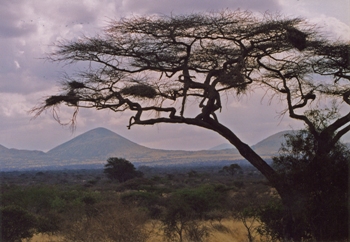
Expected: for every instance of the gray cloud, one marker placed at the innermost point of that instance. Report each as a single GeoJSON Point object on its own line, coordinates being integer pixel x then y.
{"type": "Point", "coordinates": [12, 23]}
{"type": "Point", "coordinates": [189, 6]}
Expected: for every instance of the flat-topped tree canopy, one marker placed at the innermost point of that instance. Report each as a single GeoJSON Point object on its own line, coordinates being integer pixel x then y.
{"type": "Point", "coordinates": [157, 64]}
{"type": "Point", "coordinates": [171, 58]}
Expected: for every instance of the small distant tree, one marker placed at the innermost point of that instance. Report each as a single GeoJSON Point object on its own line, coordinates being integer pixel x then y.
{"type": "Point", "coordinates": [245, 204]}
{"type": "Point", "coordinates": [120, 169]}
{"type": "Point", "coordinates": [192, 173]}
{"type": "Point", "coordinates": [231, 169]}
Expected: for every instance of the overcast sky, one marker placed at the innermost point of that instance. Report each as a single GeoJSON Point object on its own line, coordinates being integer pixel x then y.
{"type": "Point", "coordinates": [29, 28]}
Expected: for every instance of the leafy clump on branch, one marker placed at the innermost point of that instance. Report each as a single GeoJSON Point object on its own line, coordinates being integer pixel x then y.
{"type": "Point", "coordinates": [139, 90]}
{"type": "Point", "coordinates": [200, 58]}
{"type": "Point", "coordinates": [55, 100]}
{"type": "Point", "coordinates": [297, 38]}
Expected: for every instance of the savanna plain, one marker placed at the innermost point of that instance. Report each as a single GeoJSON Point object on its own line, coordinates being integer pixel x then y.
{"type": "Point", "coordinates": [211, 204]}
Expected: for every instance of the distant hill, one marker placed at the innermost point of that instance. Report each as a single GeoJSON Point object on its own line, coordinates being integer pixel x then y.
{"type": "Point", "coordinates": [95, 146]}
{"type": "Point", "coordinates": [271, 144]}
{"type": "Point", "coordinates": [20, 159]}
{"type": "Point", "coordinates": [268, 146]}
{"type": "Point", "coordinates": [223, 147]}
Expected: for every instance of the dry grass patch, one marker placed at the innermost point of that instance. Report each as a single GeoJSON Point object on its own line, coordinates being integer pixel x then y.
{"type": "Point", "coordinates": [227, 231]}
{"type": "Point", "coordinates": [45, 238]}
{"type": "Point", "coordinates": [230, 230]}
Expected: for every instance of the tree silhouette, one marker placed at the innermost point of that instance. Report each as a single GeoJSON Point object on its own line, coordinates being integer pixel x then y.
{"type": "Point", "coordinates": [231, 169]}
{"type": "Point", "coordinates": [120, 169]}
{"type": "Point", "coordinates": [320, 203]}
{"type": "Point", "coordinates": [158, 64]}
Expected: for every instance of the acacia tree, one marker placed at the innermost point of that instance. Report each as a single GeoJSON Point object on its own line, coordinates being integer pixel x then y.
{"type": "Point", "coordinates": [158, 64]}
{"type": "Point", "coordinates": [120, 169]}
{"type": "Point", "coordinates": [231, 169]}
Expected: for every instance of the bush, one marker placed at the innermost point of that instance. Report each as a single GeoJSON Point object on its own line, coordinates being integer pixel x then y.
{"type": "Point", "coordinates": [317, 207]}
{"type": "Point", "coordinates": [186, 207]}
{"type": "Point", "coordinates": [16, 223]}
{"type": "Point", "coordinates": [147, 200]}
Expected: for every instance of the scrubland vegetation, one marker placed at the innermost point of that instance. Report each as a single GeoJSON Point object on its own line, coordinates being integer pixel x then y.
{"type": "Point", "coordinates": [166, 204]}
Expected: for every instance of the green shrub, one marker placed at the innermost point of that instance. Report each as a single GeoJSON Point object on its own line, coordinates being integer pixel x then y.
{"type": "Point", "coordinates": [16, 223]}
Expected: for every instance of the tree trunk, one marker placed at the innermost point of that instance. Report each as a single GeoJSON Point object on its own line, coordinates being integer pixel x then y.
{"type": "Point", "coordinates": [253, 158]}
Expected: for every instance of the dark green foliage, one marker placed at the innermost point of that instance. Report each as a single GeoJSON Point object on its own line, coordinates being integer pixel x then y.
{"type": "Point", "coordinates": [49, 222]}
{"type": "Point", "coordinates": [49, 206]}
{"type": "Point", "coordinates": [89, 199]}
{"type": "Point", "coordinates": [318, 199]}
{"type": "Point", "coordinates": [186, 206]}
{"type": "Point", "coordinates": [139, 198]}
{"type": "Point", "coordinates": [147, 200]}
{"type": "Point", "coordinates": [231, 169]}
{"type": "Point", "coordinates": [192, 173]}
{"type": "Point", "coordinates": [34, 199]}
{"type": "Point", "coordinates": [200, 200]}
{"type": "Point", "coordinates": [138, 183]}
{"type": "Point", "coordinates": [40, 199]}
{"type": "Point", "coordinates": [16, 224]}
{"type": "Point", "coordinates": [120, 169]}
{"type": "Point", "coordinates": [80, 213]}
{"type": "Point", "coordinates": [271, 215]}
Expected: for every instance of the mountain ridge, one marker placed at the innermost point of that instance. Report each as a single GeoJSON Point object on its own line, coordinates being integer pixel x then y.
{"type": "Point", "coordinates": [94, 147]}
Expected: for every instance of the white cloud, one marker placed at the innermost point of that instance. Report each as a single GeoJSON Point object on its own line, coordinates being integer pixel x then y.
{"type": "Point", "coordinates": [17, 64]}
{"type": "Point", "coordinates": [12, 105]}
{"type": "Point", "coordinates": [333, 28]}
{"type": "Point", "coordinates": [332, 17]}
